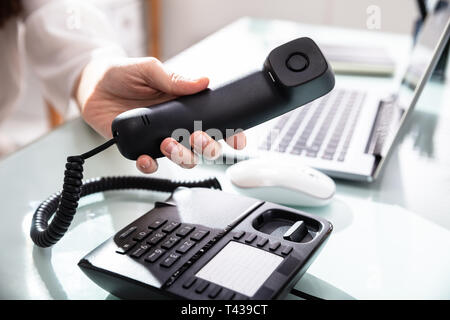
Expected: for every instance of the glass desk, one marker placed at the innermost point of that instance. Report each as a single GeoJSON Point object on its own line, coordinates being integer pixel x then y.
{"type": "Point", "coordinates": [391, 238]}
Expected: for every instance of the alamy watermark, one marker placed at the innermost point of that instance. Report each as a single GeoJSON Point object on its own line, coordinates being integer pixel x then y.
{"type": "Point", "coordinates": [212, 153]}
{"type": "Point", "coordinates": [373, 21]}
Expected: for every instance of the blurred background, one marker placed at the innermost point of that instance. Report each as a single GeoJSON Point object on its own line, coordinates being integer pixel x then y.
{"type": "Point", "coordinates": [163, 28]}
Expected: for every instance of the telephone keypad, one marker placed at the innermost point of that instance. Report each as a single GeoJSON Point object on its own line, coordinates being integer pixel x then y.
{"type": "Point", "coordinates": [171, 240]}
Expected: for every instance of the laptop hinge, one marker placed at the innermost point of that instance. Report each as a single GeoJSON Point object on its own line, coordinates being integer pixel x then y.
{"type": "Point", "coordinates": [380, 126]}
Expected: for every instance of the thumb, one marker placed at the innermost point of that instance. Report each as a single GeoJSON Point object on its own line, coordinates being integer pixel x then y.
{"type": "Point", "coordinates": [171, 83]}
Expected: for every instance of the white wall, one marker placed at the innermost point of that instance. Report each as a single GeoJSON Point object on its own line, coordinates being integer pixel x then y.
{"type": "Point", "coordinates": [185, 22]}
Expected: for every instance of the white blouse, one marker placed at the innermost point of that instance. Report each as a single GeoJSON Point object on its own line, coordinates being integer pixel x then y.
{"type": "Point", "coordinates": [58, 37]}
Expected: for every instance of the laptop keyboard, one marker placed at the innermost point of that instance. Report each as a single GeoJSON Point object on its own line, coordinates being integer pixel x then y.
{"type": "Point", "coordinates": [321, 129]}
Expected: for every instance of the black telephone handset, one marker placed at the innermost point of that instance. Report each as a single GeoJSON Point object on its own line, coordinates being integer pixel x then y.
{"type": "Point", "coordinates": [293, 74]}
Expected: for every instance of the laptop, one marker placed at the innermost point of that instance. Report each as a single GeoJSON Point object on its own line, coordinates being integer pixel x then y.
{"type": "Point", "coordinates": [350, 132]}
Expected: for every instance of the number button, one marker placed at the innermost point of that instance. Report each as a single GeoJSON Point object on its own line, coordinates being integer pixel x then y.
{"type": "Point", "coordinates": [170, 260]}
{"type": "Point", "coordinates": [185, 246]}
{"type": "Point", "coordinates": [199, 235]}
{"type": "Point", "coordinates": [184, 231]}
{"type": "Point", "coordinates": [141, 235]}
{"type": "Point", "coordinates": [140, 251]}
{"type": "Point", "coordinates": [157, 237]}
{"type": "Point", "coordinates": [169, 243]}
{"type": "Point", "coordinates": [154, 255]}
{"type": "Point", "coordinates": [157, 223]}
{"type": "Point", "coordinates": [170, 226]}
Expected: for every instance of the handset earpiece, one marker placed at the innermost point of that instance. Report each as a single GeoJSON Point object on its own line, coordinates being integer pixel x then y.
{"type": "Point", "coordinates": [293, 74]}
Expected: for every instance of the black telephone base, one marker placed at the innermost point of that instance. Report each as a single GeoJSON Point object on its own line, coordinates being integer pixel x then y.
{"type": "Point", "coordinates": [174, 250]}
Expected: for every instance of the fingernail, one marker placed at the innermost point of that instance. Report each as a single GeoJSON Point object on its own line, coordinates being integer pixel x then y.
{"type": "Point", "coordinates": [145, 164]}
{"type": "Point", "coordinates": [171, 148]}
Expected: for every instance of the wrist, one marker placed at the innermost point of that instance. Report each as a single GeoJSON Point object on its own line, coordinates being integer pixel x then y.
{"type": "Point", "coordinates": [101, 59]}
{"type": "Point", "coordinates": [89, 78]}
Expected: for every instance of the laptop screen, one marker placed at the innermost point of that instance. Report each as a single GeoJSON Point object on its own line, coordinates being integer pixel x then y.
{"type": "Point", "coordinates": [429, 45]}
{"type": "Point", "coordinates": [430, 42]}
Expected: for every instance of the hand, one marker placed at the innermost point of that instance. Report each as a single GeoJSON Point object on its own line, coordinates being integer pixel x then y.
{"type": "Point", "coordinates": [108, 88]}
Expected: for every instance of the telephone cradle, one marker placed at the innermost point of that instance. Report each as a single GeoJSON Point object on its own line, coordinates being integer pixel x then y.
{"type": "Point", "coordinates": [207, 244]}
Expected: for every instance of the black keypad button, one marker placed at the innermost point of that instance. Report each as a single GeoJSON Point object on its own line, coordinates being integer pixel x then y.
{"type": "Point", "coordinates": [228, 295]}
{"type": "Point", "coordinates": [262, 242]}
{"type": "Point", "coordinates": [215, 292]}
{"type": "Point", "coordinates": [199, 235]}
{"type": "Point", "coordinates": [126, 247]}
{"type": "Point", "coordinates": [172, 225]}
{"type": "Point", "coordinates": [141, 235]}
{"type": "Point", "coordinates": [184, 231]}
{"type": "Point", "coordinates": [238, 235]}
{"type": "Point", "coordinates": [239, 296]}
{"type": "Point", "coordinates": [274, 246]}
{"type": "Point", "coordinates": [185, 246]}
{"type": "Point", "coordinates": [157, 223]}
{"type": "Point", "coordinates": [170, 260]}
{"type": "Point", "coordinates": [157, 237]}
{"type": "Point", "coordinates": [250, 238]}
{"type": "Point", "coordinates": [154, 255]}
{"type": "Point", "coordinates": [137, 253]}
{"type": "Point", "coordinates": [202, 287]}
{"type": "Point", "coordinates": [169, 243]}
{"type": "Point", "coordinates": [126, 233]}
{"type": "Point", "coordinates": [189, 283]}
{"type": "Point", "coordinates": [286, 250]}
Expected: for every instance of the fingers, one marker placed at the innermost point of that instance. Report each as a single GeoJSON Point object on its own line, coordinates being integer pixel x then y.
{"type": "Point", "coordinates": [238, 141]}
{"type": "Point", "coordinates": [205, 145]}
{"type": "Point", "coordinates": [146, 164]}
{"type": "Point", "coordinates": [159, 78]}
{"type": "Point", "coordinates": [179, 154]}
{"type": "Point", "coordinates": [202, 144]}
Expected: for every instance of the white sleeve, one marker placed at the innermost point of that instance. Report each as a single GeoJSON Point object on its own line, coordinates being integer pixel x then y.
{"type": "Point", "coordinates": [61, 37]}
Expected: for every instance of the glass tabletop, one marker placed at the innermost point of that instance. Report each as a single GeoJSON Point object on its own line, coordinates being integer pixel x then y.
{"type": "Point", "coordinates": [390, 237]}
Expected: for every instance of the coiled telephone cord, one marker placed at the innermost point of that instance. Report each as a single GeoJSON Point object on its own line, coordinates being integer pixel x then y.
{"type": "Point", "coordinates": [63, 205]}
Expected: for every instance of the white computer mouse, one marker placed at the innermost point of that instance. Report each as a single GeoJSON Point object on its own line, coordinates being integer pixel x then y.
{"type": "Point", "coordinates": [283, 181]}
